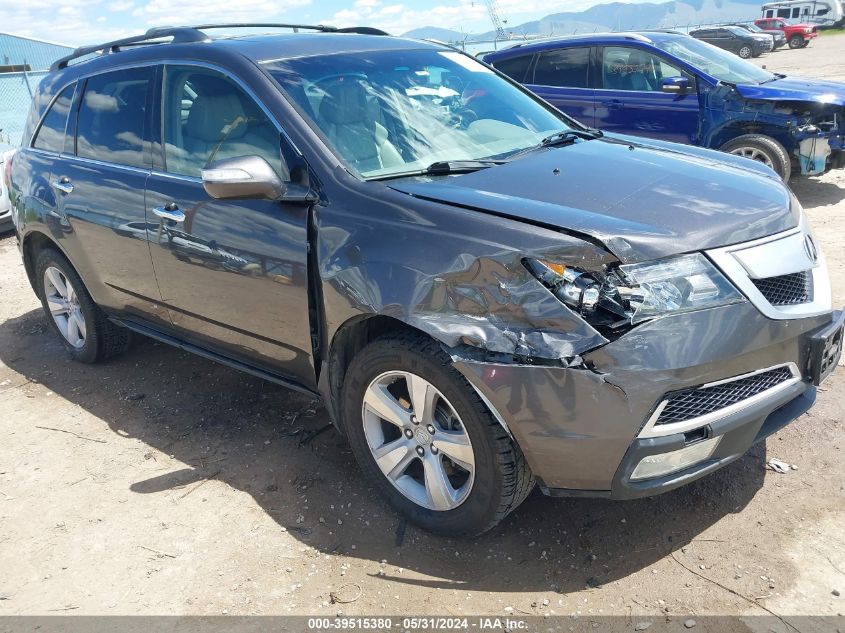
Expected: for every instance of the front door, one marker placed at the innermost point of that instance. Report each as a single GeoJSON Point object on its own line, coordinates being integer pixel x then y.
{"type": "Point", "coordinates": [631, 98]}
{"type": "Point", "coordinates": [232, 272]}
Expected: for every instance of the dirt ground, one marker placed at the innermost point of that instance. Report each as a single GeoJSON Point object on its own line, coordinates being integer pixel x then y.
{"type": "Point", "coordinates": [161, 483]}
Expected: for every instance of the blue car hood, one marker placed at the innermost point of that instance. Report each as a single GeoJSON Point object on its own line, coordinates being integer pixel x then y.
{"type": "Point", "coordinates": [796, 89]}
{"type": "Point", "coordinates": [641, 201]}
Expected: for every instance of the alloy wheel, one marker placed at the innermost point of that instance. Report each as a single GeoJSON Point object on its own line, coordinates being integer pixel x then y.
{"type": "Point", "coordinates": [745, 52]}
{"type": "Point", "coordinates": [418, 440]}
{"type": "Point", "coordinates": [754, 154]}
{"type": "Point", "coordinates": [63, 302]}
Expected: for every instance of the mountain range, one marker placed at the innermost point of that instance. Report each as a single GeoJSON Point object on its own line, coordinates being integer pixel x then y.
{"type": "Point", "coordinates": [614, 16]}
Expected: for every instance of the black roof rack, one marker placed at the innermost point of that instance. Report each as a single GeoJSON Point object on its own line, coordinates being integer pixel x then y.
{"type": "Point", "coordinates": [188, 34]}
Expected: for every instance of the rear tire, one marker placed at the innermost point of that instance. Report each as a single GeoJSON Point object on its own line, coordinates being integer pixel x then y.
{"type": "Point", "coordinates": [763, 149]}
{"type": "Point", "coordinates": [497, 474]}
{"type": "Point", "coordinates": [84, 329]}
{"type": "Point", "coordinates": [796, 41]}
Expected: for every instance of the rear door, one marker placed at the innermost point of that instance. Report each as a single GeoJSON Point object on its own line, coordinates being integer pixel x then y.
{"type": "Point", "coordinates": [232, 272]}
{"type": "Point", "coordinates": [562, 77]}
{"type": "Point", "coordinates": [630, 98]}
{"type": "Point", "coordinates": [99, 181]}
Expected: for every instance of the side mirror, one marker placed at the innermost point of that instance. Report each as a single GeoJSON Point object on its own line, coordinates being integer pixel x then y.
{"type": "Point", "coordinates": [242, 177]}
{"type": "Point", "coordinates": [675, 85]}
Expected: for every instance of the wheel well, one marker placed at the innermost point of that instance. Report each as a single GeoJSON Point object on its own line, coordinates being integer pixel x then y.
{"type": "Point", "coordinates": [350, 339]}
{"type": "Point", "coordinates": [33, 244]}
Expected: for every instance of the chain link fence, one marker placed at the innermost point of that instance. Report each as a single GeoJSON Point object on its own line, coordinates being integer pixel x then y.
{"type": "Point", "coordinates": [16, 90]}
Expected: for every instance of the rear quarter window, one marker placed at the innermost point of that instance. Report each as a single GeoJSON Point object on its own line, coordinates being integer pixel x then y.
{"type": "Point", "coordinates": [515, 67]}
{"type": "Point", "coordinates": [566, 68]}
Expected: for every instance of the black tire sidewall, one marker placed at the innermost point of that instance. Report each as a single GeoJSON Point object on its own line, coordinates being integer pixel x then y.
{"type": "Point", "coordinates": [478, 511]}
{"type": "Point", "coordinates": [749, 53]}
{"type": "Point", "coordinates": [88, 353]}
{"type": "Point", "coordinates": [796, 41]}
{"type": "Point", "coordinates": [778, 155]}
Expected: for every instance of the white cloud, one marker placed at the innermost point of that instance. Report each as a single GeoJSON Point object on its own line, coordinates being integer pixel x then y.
{"type": "Point", "coordinates": [399, 18]}
{"type": "Point", "coordinates": [121, 5]}
{"type": "Point", "coordinates": [166, 12]}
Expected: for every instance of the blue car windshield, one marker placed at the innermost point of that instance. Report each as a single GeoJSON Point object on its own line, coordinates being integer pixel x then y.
{"type": "Point", "coordinates": [714, 61]}
{"type": "Point", "coordinates": [398, 111]}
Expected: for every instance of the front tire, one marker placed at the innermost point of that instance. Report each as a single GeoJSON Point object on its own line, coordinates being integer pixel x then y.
{"type": "Point", "coordinates": [423, 436]}
{"type": "Point", "coordinates": [87, 335]}
{"type": "Point", "coordinates": [745, 52]}
{"type": "Point", "coordinates": [796, 41]}
{"type": "Point", "coordinates": [763, 149]}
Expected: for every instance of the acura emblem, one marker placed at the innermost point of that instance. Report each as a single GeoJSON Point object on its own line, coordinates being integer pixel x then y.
{"type": "Point", "coordinates": [810, 248]}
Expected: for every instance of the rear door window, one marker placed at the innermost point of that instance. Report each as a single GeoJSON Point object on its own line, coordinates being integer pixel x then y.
{"type": "Point", "coordinates": [51, 135]}
{"type": "Point", "coordinates": [113, 116]}
{"type": "Point", "coordinates": [515, 67]}
{"type": "Point", "coordinates": [566, 68]}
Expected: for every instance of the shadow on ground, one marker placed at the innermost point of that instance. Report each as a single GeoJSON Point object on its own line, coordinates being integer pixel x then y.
{"type": "Point", "coordinates": [274, 444]}
{"type": "Point", "coordinates": [814, 192]}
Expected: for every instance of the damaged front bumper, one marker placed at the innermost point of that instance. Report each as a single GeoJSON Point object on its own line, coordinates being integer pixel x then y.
{"type": "Point", "coordinates": [585, 429]}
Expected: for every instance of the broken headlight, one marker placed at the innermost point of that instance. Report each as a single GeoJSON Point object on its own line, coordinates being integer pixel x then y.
{"type": "Point", "coordinates": [632, 293]}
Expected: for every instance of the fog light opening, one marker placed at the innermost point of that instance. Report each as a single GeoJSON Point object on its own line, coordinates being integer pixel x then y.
{"type": "Point", "coordinates": [674, 461]}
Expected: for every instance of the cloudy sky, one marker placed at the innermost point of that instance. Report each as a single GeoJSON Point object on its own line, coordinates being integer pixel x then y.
{"type": "Point", "coordinates": [83, 21]}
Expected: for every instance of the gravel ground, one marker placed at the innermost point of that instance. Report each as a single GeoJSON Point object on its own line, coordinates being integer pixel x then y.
{"type": "Point", "coordinates": [161, 483]}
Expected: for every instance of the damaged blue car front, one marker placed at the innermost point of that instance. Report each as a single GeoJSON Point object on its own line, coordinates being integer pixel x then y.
{"type": "Point", "coordinates": [670, 86]}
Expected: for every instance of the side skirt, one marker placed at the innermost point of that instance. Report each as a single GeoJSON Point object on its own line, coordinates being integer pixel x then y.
{"type": "Point", "coordinates": [158, 335]}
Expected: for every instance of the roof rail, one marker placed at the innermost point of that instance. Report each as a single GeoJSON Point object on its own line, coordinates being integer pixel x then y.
{"type": "Point", "coordinates": [188, 34]}
{"type": "Point", "coordinates": [178, 33]}
{"type": "Point", "coordinates": [323, 28]}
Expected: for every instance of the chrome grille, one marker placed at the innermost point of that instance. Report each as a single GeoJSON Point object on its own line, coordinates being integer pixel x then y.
{"type": "Point", "coordinates": [786, 290]}
{"type": "Point", "coordinates": [686, 405]}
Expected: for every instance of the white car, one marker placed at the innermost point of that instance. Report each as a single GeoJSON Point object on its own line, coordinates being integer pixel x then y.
{"type": "Point", "coordinates": [6, 153]}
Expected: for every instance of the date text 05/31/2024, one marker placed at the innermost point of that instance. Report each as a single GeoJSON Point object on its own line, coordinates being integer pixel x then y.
{"type": "Point", "coordinates": [416, 623]}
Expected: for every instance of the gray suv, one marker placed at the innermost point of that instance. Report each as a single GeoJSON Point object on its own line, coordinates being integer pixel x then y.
{"type": "Point", "coordinates": [486, 294]}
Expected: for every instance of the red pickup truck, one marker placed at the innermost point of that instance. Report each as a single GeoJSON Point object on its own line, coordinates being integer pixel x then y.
{"type": "Point", "coordinates": [797, 35]}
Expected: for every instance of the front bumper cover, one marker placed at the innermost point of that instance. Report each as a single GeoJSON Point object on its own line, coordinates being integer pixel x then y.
{"type": "Point", "coordinates": [578, 426]}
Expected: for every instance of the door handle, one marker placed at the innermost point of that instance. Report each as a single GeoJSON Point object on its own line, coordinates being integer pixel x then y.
{"type": "Point", "coordinates": [613, 104]}
{"type": "Point", "coordinates": [63, 184]}
{"type": "Point", "coordinates": [170, 211]}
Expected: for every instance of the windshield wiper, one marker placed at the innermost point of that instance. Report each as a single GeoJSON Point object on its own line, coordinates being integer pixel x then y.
{"type": "Point", "coordinates": [567, 136]}
{"type": "Point", "coordinates": [564, 137]}
{"type": "Point", "coordinates": [444, 167]}
{"type": "Point", "coordinates": [775, 78]}
{"type": "Point", "coordinates": [459, 166]}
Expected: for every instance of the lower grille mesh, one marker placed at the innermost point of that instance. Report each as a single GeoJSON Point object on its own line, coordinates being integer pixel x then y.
{"type": "Point", "coordinates": [686, 405]}
{"type": "Point", "coordinates": [786, 290]}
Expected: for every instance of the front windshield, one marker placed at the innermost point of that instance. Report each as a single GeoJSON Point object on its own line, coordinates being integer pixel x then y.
{"type": "Point", "coordinates": [398, 111]}
{"type": "Point", "coordinates": [714, 61]}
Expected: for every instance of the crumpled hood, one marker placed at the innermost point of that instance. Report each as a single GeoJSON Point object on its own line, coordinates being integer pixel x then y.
{"type": "Point", "coordinates": [641, 201]}
{"type": "Point", "coordinates": [796, 89]}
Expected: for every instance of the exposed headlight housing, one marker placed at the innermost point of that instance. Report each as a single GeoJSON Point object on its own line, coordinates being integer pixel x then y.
{"type": "Point", "coordinates": [633, 293]}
